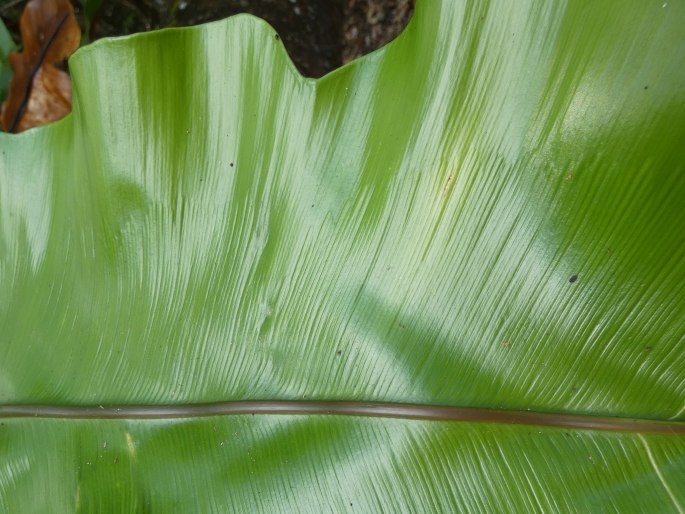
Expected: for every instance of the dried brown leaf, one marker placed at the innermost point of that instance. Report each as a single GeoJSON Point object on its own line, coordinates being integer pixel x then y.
{"type": "Point", "coordinates": [39, 92]}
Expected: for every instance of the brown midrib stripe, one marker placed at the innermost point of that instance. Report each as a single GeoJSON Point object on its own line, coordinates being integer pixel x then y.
{"type": "Point", "coordinates": [344, 408]}
{"type": "Point", "coordinates": [34, 71]}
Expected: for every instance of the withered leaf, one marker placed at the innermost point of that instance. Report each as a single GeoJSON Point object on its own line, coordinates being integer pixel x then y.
{"type": "Point", "coordinates": [39, 92]}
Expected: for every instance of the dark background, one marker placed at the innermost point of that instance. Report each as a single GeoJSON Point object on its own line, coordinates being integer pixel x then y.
{"type": "Point", "coordinates": [320, 35]}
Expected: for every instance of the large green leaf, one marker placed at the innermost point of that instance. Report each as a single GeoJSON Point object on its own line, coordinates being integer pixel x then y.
{"type": "Point", "coordinates": [487, 213]}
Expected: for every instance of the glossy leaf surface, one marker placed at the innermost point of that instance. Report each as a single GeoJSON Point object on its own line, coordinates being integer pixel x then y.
{"type": "Point", "coordinates": [488, 212]}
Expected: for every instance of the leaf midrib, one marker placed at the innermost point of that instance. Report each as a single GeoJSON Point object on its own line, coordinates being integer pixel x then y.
{"type": "Point", "coordinates": [344, 408]}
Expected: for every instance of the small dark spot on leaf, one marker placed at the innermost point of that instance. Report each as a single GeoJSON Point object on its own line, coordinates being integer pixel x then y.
{"type": "Point", "coordinates": [574, 390]}
{"type": "Point", "coordinates": [231, 165]}
{"type": "Point", "coordinates": [648, 349]}
{"type": "Point", "coordinates": [573, 278]}
{"type": "Point", "coordinates": [116, 460]}
{"type": "Point", "coordinates": [277, 37]}
{"type": "Point", "coordinates": [646, 87]}
{"type": "Point", "coordinates": [339, 352]}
